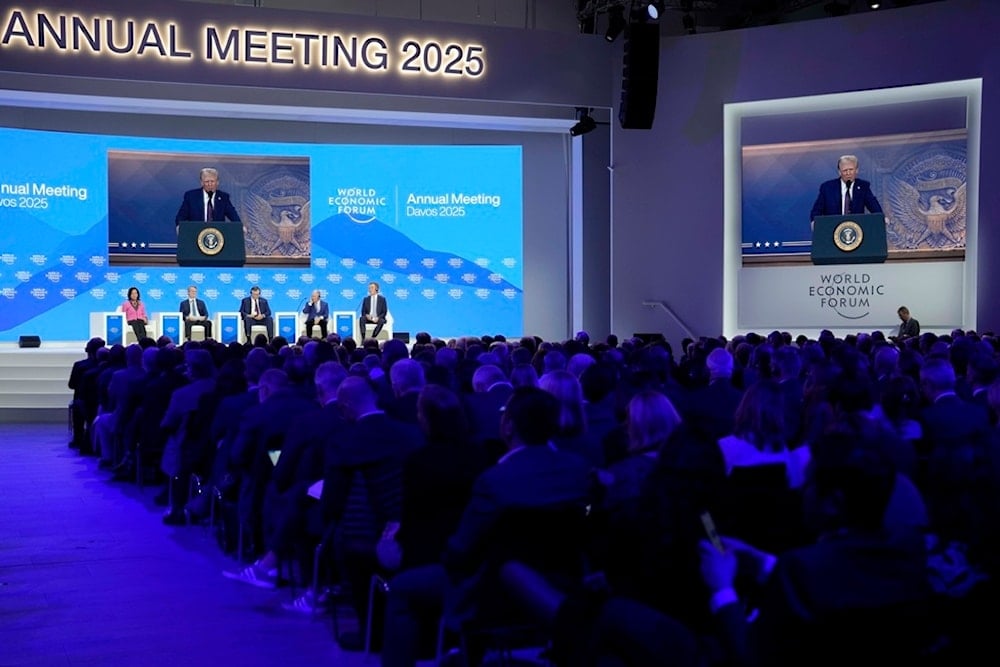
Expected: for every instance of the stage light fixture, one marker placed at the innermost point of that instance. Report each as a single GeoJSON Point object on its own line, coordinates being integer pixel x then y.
{"type": "Point", "coordinates": [616, 23]}
{"type": "Point", "coordinates": [655, 9]}
{"type": "Point", "coordinates": [584, 122]}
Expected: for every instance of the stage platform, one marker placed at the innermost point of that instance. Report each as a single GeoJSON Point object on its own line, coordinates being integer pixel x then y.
{"type": "Point", "coordinates": [33, 381]}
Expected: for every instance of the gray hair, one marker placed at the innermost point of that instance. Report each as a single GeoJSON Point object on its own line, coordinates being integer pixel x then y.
{"type": "Point", "coordinates": [210, 171]}
{"type": "Point", "coordinates": [848, 158]}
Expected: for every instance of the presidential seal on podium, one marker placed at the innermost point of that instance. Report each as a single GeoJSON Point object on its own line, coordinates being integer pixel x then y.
{"type": "Point", "coordinates": [848, 236]}
{"type": "Point", "coordinates": [211, 241]}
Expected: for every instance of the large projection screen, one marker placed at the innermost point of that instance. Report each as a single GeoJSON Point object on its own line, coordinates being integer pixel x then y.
{"type": "Point", "coordinates": [918, 146]}
{"type": "Point", "coordinates": [452, 222]}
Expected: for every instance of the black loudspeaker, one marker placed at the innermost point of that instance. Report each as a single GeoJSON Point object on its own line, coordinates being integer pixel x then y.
{"type": "Point", "coordinates": [29, 341]}
{"type": "Point", "coordinates": [401, 335]}
{"type": "Point", "coordinates": [640, 73]}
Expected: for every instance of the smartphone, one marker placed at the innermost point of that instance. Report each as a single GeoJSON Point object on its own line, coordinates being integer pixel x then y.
{"type": "Point", "coordinates": [713, 534]}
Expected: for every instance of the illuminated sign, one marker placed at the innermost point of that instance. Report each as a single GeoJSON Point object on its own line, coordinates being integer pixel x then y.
{"type": "Point", "coordinates": [95, 35]}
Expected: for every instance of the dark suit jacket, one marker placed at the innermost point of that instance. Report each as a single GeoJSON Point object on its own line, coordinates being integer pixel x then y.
{"type": "Point", "coordinates": [404, 408]}
{"type": "Point", "coordinates": [263, 428]}
{"type": "Point", "coordinates": [246, 305]}
{"type": "Point", "coordinates": [712, 408]}
{"type": "Point", "coordinates": [80, 368]}
{"type": "Point", "coordinates": [376, 447]}
{"type": "Point", "coordinates": [381, 306]}
{"type": "Point", "coordinates": [229, 415]}
{"type": "Point", "coordinates": [831, 202]}
{"type": "Point", "coordinates": [951, 422]}
{"type": "Point", "coordinates": [193, 207]}
{"type": "Point", "coordinates": [437, 483]}
{"type": "Point", "coordinates": [534, 477]}
{"type": "Point", "coordinates": [186, 308]}
{"type": "Point", "coordinates": [483, 410]}
{"type": "Point", "coordinates": [155, 401]}
{"type": "Point", "coordinates": [835, 600]}
{"type": "Point", "coordinates": [909, 328]}
{"type": "Point", "coordinates": [183, 403]}
{"type": "Point", "coordinates": [322, 309]}
{"type": "Point", "coordinates": [302, 454]}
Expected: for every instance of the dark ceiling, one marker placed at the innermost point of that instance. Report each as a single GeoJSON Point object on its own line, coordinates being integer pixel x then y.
{"type": "Point", "coordinates": [692, 16]}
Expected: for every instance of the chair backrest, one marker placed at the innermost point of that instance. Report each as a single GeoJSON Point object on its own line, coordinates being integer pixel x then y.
{"type": "Point", "coordinates": [547, 539]}
{"type": "Point", "coordinates": [760, 508]}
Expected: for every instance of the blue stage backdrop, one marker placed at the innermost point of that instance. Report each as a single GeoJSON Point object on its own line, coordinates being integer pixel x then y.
{"type": "Point", "coordinates": [440, 227]}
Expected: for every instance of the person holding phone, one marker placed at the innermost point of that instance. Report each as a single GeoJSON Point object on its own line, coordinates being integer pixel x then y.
{"type": "Point", "coordinates": [861, 589]}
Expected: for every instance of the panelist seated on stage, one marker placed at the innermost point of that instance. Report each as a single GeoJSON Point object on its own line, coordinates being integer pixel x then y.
{"type": "Point", "coordinates": [135, 313]}
{"type": "Point", "coordinates": [846, 195]}
{"type": "Point", "coordinates": [194, 311]}
{"type": "Point", "coordinates": [255, 310]}
{"type": "Point", "coordinates": [207, 203]}
{"type": "Point", "coordinates": [374, 309]}
{"type": "Point", "coordinates": [317, 312]}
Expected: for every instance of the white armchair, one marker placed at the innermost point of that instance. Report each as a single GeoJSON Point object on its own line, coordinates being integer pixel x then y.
{"type": "Point", "coordinates": [130, 335]}
{"type": "Point", "coordinates": [383, 335]}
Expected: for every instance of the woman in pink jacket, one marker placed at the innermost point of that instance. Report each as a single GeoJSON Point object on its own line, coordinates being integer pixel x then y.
{"type": "Point", "coordinates": [135, 313]}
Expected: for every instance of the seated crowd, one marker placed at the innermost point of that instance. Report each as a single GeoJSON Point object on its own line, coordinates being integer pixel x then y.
{"type": "Point", "coordinates": [751, 501]}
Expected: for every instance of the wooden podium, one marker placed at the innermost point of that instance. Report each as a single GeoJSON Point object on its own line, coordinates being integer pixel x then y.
{"type": "Point", "coordinates": [849, 239]}
{"type": "Point", "coordinates": [211, 244]}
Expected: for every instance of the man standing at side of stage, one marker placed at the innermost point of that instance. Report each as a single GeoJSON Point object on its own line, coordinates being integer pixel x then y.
{"type": "Point", "coordinates": [908, 326]}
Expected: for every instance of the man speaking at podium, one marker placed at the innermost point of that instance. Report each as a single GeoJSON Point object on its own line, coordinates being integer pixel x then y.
{"type": "Point", "coordinates": [847, 195]}
{"type": "Point", "coordinates": [207, 203]}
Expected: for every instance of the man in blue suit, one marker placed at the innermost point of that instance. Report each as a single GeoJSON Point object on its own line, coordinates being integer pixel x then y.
{"type": "Point", "coordinates": [845, 195]}
{"type": "Point", "coordinates": [254, 309]}
{"type": "Point", "coordinates": [317, 313]}
{"type": "Point", "coordinates": [194, 311]}
{"type": "Point", "coordinates": [373, 311]}
{"type": "Point", "coordinates": [207, 203]}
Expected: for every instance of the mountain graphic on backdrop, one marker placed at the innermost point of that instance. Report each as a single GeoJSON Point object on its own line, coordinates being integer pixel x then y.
{"type": "Point", "coordinates": [58, 244]}
{"type": "Point", "coordinates": [343, 237]}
